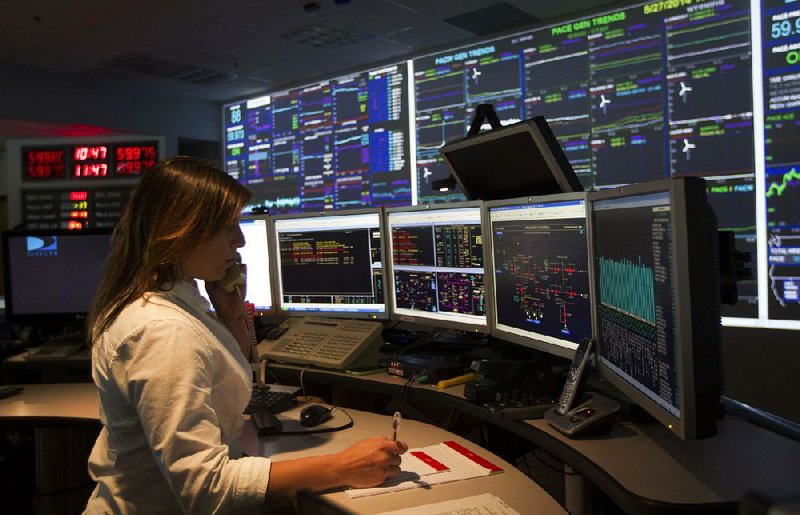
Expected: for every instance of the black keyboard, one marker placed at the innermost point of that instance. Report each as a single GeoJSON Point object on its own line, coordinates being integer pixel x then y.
{"type": "Point", "coordinates": [271, 398]}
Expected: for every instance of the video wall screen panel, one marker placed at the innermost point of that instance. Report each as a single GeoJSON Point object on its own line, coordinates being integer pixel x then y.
{"type": "Point", "coordinates": [641, 93]}
{"type": "Point", "coordinates": [707, 88]}
{"type": "Point", "coordinates": [780, 31]}
{"type": "Point", "coordinates": [338, 144]}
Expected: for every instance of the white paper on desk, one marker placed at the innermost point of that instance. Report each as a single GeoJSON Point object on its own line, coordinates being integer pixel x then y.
{"type": "Point", "coordinates": [416, 463]}
{"type": "Point", "coordinates": [461, 463]}
{"type": "Point", "coordinates": [485, 504]}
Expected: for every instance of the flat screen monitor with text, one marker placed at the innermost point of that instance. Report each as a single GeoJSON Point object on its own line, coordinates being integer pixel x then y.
{"type": "Point", "coordinates": [330, 264]}
{"type": "Point", "coordinates": [657, 300]}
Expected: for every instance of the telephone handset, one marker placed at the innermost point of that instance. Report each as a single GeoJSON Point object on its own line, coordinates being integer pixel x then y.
{"type": "Point", "coordinates": [234, 279]}
{"type": "Point", "coordinates": [576, 414]}
{"type": "Point", "coordinates": [576, 377]}
{"type": "Point", "coordinates": [234, 276]}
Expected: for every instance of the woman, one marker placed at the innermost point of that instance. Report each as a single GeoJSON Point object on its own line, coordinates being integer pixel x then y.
{"type": "Point", "coordinates": [173, 379]}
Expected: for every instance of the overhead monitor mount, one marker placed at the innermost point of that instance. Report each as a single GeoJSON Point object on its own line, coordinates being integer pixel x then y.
{"type": "Point", "coordinates": [483, 112]}
{"type": "Point", "coordinates": [517, 160]}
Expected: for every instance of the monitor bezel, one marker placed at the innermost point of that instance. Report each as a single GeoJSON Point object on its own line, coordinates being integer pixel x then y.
{"type": "Point", "coordinates": [423, 319]}
{"type": "Point", "coordinates": [48, 319]}
{"type": "Point", "coordinates": [560, 176]}
{"type": "Point", "coordinates": [244, 218]}
{"type": "Point", "coordinates": [275, 264]}
{"type": "Point", "coordinates": [532, 342]}
{"type": "Point", "coordinates": [698, 358]}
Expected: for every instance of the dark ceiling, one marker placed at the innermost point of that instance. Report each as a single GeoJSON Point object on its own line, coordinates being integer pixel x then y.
{"type": "Point", "coordinates": [222, 50]}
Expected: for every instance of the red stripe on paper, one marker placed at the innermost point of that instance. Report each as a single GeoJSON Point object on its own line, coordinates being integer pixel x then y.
{"type": "Point", "coordinates": [483, 462]}
{"type": "Point", "coordinates": [436, 465]}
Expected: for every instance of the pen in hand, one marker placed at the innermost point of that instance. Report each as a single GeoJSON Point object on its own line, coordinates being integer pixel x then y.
{"type": "Point", "coordinates": [395, 425]}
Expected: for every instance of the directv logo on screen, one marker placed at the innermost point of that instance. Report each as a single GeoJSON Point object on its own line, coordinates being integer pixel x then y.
{"type": "Point", "coordinates": [44, 246]}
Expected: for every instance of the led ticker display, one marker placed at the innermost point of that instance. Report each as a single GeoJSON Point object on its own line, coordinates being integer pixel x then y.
{"type": "Point", "coordinates": [88, 162]}
{"type": "Point", "coordinates": [134, 159]}
{"type": "Point", "coordinates": [44, 163]}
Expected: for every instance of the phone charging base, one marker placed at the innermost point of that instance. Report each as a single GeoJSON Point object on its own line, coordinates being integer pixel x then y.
{"type": "Point", "coordinates": [593, 416]}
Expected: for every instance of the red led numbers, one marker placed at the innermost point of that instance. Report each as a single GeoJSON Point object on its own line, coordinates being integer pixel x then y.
{"type": "Point", "coordinates": [135, 159]}
{"type": "Point", "coordinates": [92, 153]}
{"type": "Point", "coordinates": [90, 161]}
{"type": "Point", "coordinates": [90, 170]}
{"type": "Point", "coordinates": [45, 164]}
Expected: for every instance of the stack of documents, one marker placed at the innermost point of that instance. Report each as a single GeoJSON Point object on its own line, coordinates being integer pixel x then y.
{"type": "Point", "coordinates": [483, 504]}
{"type": "Point", "coordinates": [441, 463]}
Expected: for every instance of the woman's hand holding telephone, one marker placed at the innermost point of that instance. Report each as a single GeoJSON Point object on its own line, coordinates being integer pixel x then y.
{"type": "Point", "coordinates": [228, 294]}
{"type": "Point", "coordinates": [234, 276]}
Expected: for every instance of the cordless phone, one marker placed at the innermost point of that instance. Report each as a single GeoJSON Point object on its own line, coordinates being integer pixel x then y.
{"type": "Point", "coordinates": [576, 414]}
{"type": "Point", "coordinates": [576, 378]}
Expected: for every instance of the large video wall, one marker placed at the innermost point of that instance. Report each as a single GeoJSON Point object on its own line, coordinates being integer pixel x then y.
{"type": "Point", "coordinates": [338, 144]}
{"type": "Point", "coordinates": [657, 89]}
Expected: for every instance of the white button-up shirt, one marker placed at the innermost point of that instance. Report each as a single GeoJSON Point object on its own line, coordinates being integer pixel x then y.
{"type": "Point", "coordinates": [173, 385]}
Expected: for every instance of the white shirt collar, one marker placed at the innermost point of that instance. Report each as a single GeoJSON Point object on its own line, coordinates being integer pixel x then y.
{"type": "Point", "coordinates": [188, 292]}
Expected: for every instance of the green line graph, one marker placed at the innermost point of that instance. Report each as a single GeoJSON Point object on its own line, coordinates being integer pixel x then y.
{"type": "Point", "coordinates": [778, 189]}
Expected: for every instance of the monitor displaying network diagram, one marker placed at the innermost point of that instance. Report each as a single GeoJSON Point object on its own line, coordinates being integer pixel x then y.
{"type": "Point", "coordinates": [437, 265]}
{"type": "Point", "coordinates": [540, 271]}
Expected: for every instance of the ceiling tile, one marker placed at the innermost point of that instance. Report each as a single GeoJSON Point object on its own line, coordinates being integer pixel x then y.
{"type": "Point", "coordinates": [557, 10]}
{"type": "Point", "coordinates": [375, 50]}
{"type": "Point", "coordinates": [237, 64]}
{"type": "Point", "coordinates": [271, 17]}
{"type": "Point", "coordinates": [377, 18]}
{"type": "Point", "coordinates": [441, 9]}
{"type": "Point", "coordinates": [429, 34]}
{"type": "Point", "coordinates": [235, 37]}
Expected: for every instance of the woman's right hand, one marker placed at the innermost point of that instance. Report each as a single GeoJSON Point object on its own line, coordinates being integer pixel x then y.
{"type": "Point", "coordinates": [370, 462]}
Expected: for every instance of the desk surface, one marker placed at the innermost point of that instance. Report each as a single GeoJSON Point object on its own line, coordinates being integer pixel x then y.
{"type": "Point", "coordinates": [642, 467]}
{"type": "Point", "coordinates": [82, 358]}
{"type": "Point", "coordinates": [78, 403]}
{"type": "Point", "coordinates": [53, 404]}
{"type": "Point", "coordinates": [514, 487]}
{"type": "Point", "coordinates": [654, 464]}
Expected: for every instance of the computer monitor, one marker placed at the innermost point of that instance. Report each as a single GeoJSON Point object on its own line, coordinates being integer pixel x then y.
{"type": "Point", "coordinates": [255, 254]}
{"type": "Point", "coordinates": [657, 300]}
{"type": "Point", "coordinates": [330, 264]}
{"type": "Point", "coordinates": [51, 276]}
{"type": "Point", "coordinates": [436, 269]}
{"type": "Point", "coordinates": [539, 266]}
{"type": "Point", "coordinates": [524, 158]}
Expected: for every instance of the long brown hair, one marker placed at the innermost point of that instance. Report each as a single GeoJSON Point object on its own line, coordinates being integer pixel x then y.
{"type": "Point", "coordinates": [178, 203]}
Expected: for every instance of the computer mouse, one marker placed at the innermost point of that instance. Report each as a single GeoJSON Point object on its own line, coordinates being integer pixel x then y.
{"type": "Point", "coordinates": [314, 415]}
